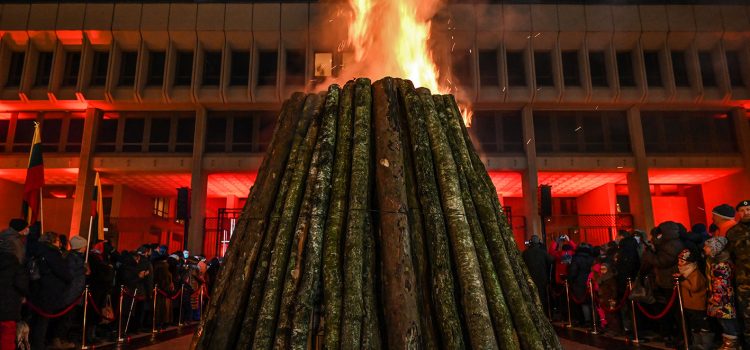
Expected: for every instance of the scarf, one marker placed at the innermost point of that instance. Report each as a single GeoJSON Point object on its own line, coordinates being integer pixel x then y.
{"type": "Point", "coordinates": [687, 269]}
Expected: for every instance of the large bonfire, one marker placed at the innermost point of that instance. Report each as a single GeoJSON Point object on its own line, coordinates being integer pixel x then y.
{"type": "Point", "coordinates": [374, 224]}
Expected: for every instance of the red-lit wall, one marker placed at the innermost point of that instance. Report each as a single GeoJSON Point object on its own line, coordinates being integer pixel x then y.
{"type": "Point", "coordinates": [729, 189]}
{"type": "Point", "coordinates": [671, 208]}
{"type": "Point", "coordinates": [10, 205]}
{"type": "Point", "coordinates": [57, 214]}
{"type": "Point", "coordinates": [601, 200]}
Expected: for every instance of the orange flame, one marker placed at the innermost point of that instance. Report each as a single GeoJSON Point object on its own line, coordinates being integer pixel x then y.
{"type": "Point", "coordinates": [391, 37]}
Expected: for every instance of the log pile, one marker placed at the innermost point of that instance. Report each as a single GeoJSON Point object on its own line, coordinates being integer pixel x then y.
{"type": "Point", "coordinates": [373, 224]}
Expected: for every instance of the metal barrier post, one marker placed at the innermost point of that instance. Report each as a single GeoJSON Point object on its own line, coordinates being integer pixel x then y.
{"type": "Point", "coordinates": [632, 310]}
{"type": "Point", "coordinates": [153, 319]}
{"type": "Point", "coordinates": [594, 314]}
{"type": "Point", "coordinates": [200, 303]}
{"type": "Point", "coordinates": [85, 309]}
{"type": "Point", "coordinates": [567, 300]}
{"type": "Point", "coordinates": [182, 304]}
{"type": "Point", "coordinates": [132, 303]}
{"type": "Point", "coordinates": [119, 316]}
{"type": "Point", "coordinates": [682, 311]}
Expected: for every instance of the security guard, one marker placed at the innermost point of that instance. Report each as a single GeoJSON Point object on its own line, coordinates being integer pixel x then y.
{"type": "Point", "coordinates": [739, 247]}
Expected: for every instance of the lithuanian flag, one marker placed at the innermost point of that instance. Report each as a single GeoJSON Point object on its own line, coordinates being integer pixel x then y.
{"type": "Point", "coordinates": [32, 190]}
{"type": "Point", "coordinates": [97, 210]}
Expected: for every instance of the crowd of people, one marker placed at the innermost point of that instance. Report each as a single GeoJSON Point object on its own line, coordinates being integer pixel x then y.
{"type": "Point", "coordinates": [709, 268]}
{"type": "Point", "coordinates": [46, 279]}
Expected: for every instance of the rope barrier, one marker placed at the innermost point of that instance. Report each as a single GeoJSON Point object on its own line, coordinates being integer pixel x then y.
{"type": "Point", "coordinates": [64, 311]}
{"type": "Point", "coordinates": [97, 310]}
{"type": "Point", "coordinates": [617, 307]}
{"type": "Point", "coordinates": [666, 309]}
{"type": "Point", "coordinates": [130, 295]}
{"type": "Point", "coordinates": [171, 297]}
{"type": "Point", "coordinates": [579, 301]}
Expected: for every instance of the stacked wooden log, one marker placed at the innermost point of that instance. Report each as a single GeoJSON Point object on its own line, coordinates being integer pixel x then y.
{"type": "Point", "coordinates": [373, 224]}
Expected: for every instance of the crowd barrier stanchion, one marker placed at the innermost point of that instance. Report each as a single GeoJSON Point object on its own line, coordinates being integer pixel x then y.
{"type": "Point", "coordinates": [200, 303]}
{"type": "Point", "coordinates": [182, 306]}
{"type": "Point", "coordinates": [567, 301]}
{"type": "Point", "coordinates": [153, 318]}
{"type": "Point", "coordinates": [119, 316]}
{"type": "Point", "coordinates": [130, 312]}
{"type": "Point", "coordinates": [594, 314]}
{"type": "Point", "coordinates": [85, 310]}
{"type": "Point", "coordinates": [632, 310]}
{"type": "Point", "coordinates": [682, 311]}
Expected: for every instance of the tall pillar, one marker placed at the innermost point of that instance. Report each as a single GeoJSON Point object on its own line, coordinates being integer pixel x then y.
{"type": "Point", "coordinates": [742, 129]}
{"type": "Point", "coordinates": [198, 184]}
{"type": "Point", "coordinates": [79, 223]}
{"type": "Point", "coordinates": [639, 191]}
{"type": "Point", "coordinates": [529, 177]}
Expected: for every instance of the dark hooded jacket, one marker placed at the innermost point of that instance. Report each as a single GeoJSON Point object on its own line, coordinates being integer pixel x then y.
{"type": "Point", "coordinates": [54, 278]}
{"type": "Point", "coordinates": [11, 242]}
{"type": "Point", "coordinates": [15, 285]}
{"type": "Point", "coordinates": [538, 261]}
{"type": "Point", "coordinates": [579, 270]}
{"type": "Point", "coordinates": [627, 262]}
{"type": "Point", "coordinates": [663, 259]}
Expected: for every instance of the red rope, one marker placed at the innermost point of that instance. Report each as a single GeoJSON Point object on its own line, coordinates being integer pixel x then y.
{"type": "Point", "coordinates": [666, 309]}
{"type": "Point", "coordinates": [54, 315]}
{"type": "Point", "coordinates": [164, 294]}
{"type": "Point", "coordinates": [617, 307]}
{"type": "Point", "coordinates": [130, 295]}
{"type": "Point", "coordinates": [97, 310]}
{"type": "Point", "coordinates": [198, 292]}
{"type": "Point", "coordinates": [578, 301]}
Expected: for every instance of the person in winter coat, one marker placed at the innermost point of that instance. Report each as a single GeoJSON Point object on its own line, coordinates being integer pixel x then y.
{"type": "Point", "coordinates": [101, 282]}
{"type": "Point", "coordinates": [15, 287]}
{"type": "Point", "coordinates": [163, 281]}
{"type": "Point", "coordinates": [54, 277]}
{"type": "Point", "coordinates": [723, 217]}
{"type": "Point", "coordinates": [11, 239]}
{"type": "Point", "coordinates": [74, 260]}
{"type": "Point", "coordinates": [721, 293]}
{"type": "Point", "coordinates": [693, 287]}
{"type": "Point", "coordinates": [661, 258]}
{"type": "Point", "coordinates": [562, 250]}
{"type": "Point", "coordinates": [578, 274]}
{"type": "Point", "coordinates": [739, 250]}
{"type": "Point", "coordinates": [538, 261]}
{"type": "Point", "coordinates": [608, 299]}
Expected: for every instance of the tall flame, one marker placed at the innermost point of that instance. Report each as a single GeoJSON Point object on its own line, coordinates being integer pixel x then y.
{"type": "Point", "coordinates": [391, 37]}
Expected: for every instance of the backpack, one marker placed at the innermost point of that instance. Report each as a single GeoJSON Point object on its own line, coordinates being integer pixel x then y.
{"type": "Point", "coordinates": [32, 266]}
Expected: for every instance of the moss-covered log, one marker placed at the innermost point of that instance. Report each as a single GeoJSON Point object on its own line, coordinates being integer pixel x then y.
{"type": "Point", "coordinates": [359, 206]}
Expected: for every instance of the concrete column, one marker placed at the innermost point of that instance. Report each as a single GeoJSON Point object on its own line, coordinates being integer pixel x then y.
{"type": "Point", "coordinates": [529, 177]}
{"type": "Point", "coordinates": [742, 129]}
{"type": "Point", "coordinates": [79, 223]}
{"type": "Point", "coordinates": [198, 184]}
{"type": "Point", "coordinates": [639, 192]}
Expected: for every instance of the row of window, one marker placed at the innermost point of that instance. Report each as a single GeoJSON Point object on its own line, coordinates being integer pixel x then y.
{"type": "Point", "coordinates": [623, 64]}
{"type": "Point", "coordinates": [494, 132]}
{"type": "Point", "coordinates": [239, 65]}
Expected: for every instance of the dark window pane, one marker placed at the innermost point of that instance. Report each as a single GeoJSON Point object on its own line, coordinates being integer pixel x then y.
{"type": "Point", "coordinates": [51, 129]}
{"type": "Point", "coordinates": [15, 69]}
{"type": "Point", "coordinates": [4, 127]}
{"type": "Point", "coordinates": [516, 68]}
{"type": "Point", "coordinates": [484, 131]}
{"type": "Point", "coordinates": [625, 69]}
{"type": "Point", "coordinates": [216, 133]}
{"type": "Point", "coordinates": [43, 69]}
{"type": "Point", "coordinates": [72, 66]}
{"type": "Point", "coordinates": [461, 67]}
{"type": "Point", "coordinates": [156, 62]}
{"type": "Point", "coordinates": [99, 70]}
{"type": "Point", "coordinates": [295, 68]}
{"type": "Point", "coordinates": [593, 133]}
{"type": "Point", "coordinates": [543, 131]}
{"type": "Point", "coordinates": [184, 68]}
{"type": "Point", "coordinates": [133, 136]}
{"type": "Point", "coordinates": [267, 63]}
{"type": "Point", "coordinates": [159, 130]}
{"type": "Point", "coordinates": [543, 66]}
{"type": "Point", "coordinates": [488, 75]}
{"type": "Point", "coordinates": [571, 71]}
{"type": "Point", "coordinates": [619, 136]}
{"type": "Point", "coordinates": [680, 69]}
{"type": "Point", "coordinates": [75, 135]}
{"type": "Point", "coordinates": [512, 135]}
{"type": "Point", "coordinates": [653, 68]}
{"type": "Point", "coordinates": [240, 74]}
{"type": "Point", "coordinates": [24, 135]}
{"type": "Point", "coordinates": [567, 132]}
{"type": "Point", "coordinates": [597, 63]}
{"type": "Point", "coordinates": [708, 74]}
{"type": "Point", "coordinates": [107, 134]}
{"type": "Point", "coordinates": [265, 129]}
{"type": "Point", "coordinates": [127, 68]}
{"type": "Point", "coordinates": [734, 67]}
{"type": "Point", "coordinates": [212, 68]}
{"type": "Point", "coordinates": [700, 132]}
{"type": "Point", "coordinates": [185, 134]}
{"type": "Point", "coordinates": [242, 134]}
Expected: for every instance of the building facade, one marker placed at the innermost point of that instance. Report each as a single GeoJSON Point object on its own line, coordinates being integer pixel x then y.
{"type": "Point", "coordinates": [633, 113]}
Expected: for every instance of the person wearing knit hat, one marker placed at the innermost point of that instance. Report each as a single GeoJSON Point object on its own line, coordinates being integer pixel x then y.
{"type": "Point", "coordinates": [723, 218]}
{"type": "Point", "coordinates": [739, 250]}
{"type": "Point", "coordinates": [11, 239]}
{"type": "Point", "coordinates": [720, 291]}
{"type": "Point", "coordinates": [693, 286]}
{"type": "Point", "coordinates": [78, 243]}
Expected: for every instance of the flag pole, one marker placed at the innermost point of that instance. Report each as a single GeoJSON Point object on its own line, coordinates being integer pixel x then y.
{"type": "Point", "coordinates": [88, 241]}
{"type": "Point", "coordinates": [41, 211]}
